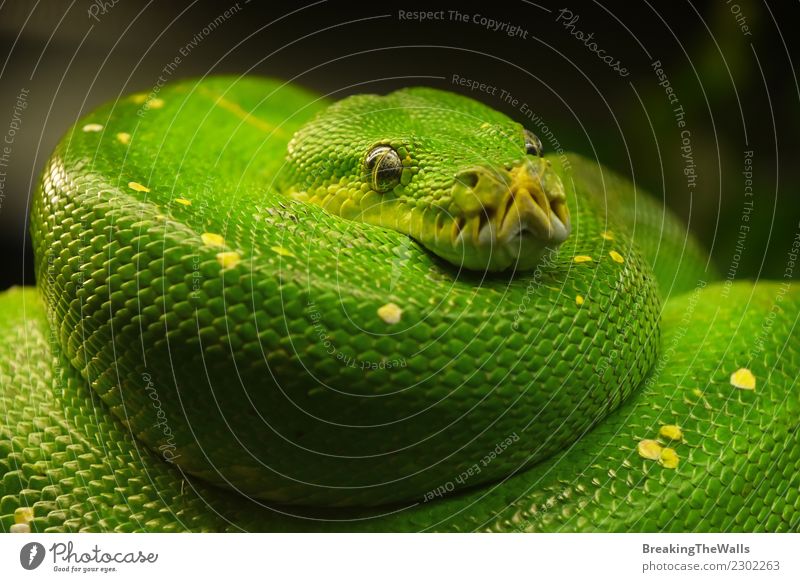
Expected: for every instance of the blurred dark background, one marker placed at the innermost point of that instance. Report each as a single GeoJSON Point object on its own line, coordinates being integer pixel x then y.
{"type": "Point", "coordinates": [729, 63]}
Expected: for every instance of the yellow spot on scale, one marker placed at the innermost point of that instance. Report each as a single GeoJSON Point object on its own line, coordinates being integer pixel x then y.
{"type": "Point", "coordinates": [228, 259]}
{"type": "Point", "coordinates": [138, 187]}
{"type": "Point", "coordinates": [579, 300]}
{"type": "Point", "coordinates": [92, 127]}
{"type": "Point", "coordinates": [671, 432]}
{"type": "Point", "coordinates": [668, 459]}
{"type": "Point", "coordinates": [743, 379]}
{"type": "Point", "coordinates": [139, 98]}
{"type": "Point", "coordinates": [607, 235]}
{"type": "Point", "coordinates": [155, 103]}
{"type": "Point", "coordinates": [616, 257]}
{"type": "Point", "coordinates": [649, 449]}
{"type": "Point", "coordinates": [212, 240]}
{"type": "Point", "coordinates": [124, 138]}
{"type": "Point", "coordinates": [183, 201]}
{"type": "Point", "coordinates": [23, 514]}
{"type": "Point", "coordinates": [23, 528]}
{"type": "Point", "coordinates": [282, 251]}
{"type": "Point", "coordinates": [390, 313]}
{"type": "Point", "coordinates": [582, 259]}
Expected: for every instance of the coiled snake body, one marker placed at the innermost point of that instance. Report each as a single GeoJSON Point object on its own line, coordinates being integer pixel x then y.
{"type": "Point", "coordinates": [263, 311]}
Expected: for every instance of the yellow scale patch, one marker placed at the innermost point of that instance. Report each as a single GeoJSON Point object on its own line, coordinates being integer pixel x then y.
{"type": "Point", "coordinates": [669, 458]}
{"type": "Point", "coordinates": [124, 138]}
{"type": "Point", "coordinates": [142, 98]}
{"type": "Point", "coordinates": [23, 515]}
{"type": "Point", "coordinates": [616, 257]}
{"type": "Point", "coordinates": [228, 259]}
{"type": "Point", "coordinates": [582, 259]}
{"type": "Point", "coordinates": [671, 432]}
{"type": "Point", "coordinates": [22, 519]}
{"type": "Point", "coordinates": [183, 201]}
{"type": "Point", "coordinates": [282, 251]}
{"type": "Point", "coordinates": [649, 449]}
{"type": "Point", "coordinates": [212, 240]}
{"type": "Point", "coordinates": [92, 127]}
{"type": "Point", "coordinates": [390, 313]}
{"type": "Point", "coordinates": [579, 300]}
{"type": "Point", "coordinates": [607, 235]}
{"type": "Point", "coordinates": [653, 451]}
{"type": "Point", "coordinates": [743, 379]}
{"type": "Point", "coordinates": [138, 187]}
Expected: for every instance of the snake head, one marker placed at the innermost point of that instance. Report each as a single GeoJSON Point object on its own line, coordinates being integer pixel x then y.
{"type": "Point", "coordinates": [464, 180]}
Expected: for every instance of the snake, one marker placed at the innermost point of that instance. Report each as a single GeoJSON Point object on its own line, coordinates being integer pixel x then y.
{"type": "Point", "coordinates": [262, 309]}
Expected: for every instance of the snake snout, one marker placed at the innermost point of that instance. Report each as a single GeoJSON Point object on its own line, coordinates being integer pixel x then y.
{"type": "Point", "coordinates": [500, 207]}
{"type": "Point", "coordinates": [533, 209]}
{"type": "Point", "coordinates": [497, 217]}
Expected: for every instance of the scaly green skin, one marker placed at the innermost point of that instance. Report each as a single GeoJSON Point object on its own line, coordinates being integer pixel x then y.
{"type": "Point", "coordinates": [139, 299]}
{"type": "Point", "coordinates": [72, 462]}
{"type": "Point", "coordinates": [464, 167]}
{"type": "Point", "coordinates": [140, 305]}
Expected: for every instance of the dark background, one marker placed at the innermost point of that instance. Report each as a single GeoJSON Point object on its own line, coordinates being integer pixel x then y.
{"type": "Point", "coordinates": [739, 92]}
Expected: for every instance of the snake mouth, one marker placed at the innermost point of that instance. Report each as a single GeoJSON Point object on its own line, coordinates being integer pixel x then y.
{"type": "Point", "coordinates": [505, 219]}
{"type": "Point", "coordinates": [524, 215]}
{"type": "Point", "coordinates": [528, 212]}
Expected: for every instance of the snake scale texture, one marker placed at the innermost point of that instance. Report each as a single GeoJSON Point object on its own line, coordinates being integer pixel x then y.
{"type": "Point", "coordinates": [262, 310]}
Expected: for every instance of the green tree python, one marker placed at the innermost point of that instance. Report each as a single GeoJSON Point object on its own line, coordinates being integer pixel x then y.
{"type": "Point", "coordinates": [262, 310]}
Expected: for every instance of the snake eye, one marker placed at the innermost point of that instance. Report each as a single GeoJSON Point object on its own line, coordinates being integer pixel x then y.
{"type": "Point", "coordinates": [533, 145]}
{"type": "Point", "coordinates": [384, 166]}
